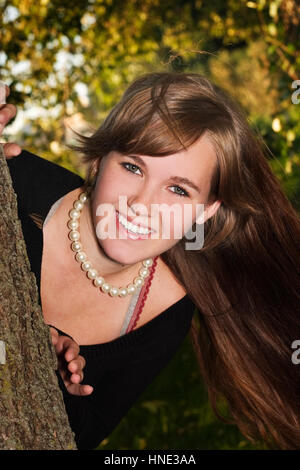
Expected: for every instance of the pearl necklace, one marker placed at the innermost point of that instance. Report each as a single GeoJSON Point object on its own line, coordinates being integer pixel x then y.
{"type": "Point", "coordinates": [81, 257]}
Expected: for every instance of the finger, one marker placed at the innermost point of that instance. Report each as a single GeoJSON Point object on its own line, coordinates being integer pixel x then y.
{"type": "Point", "coordinates": [80, 390]}
{"type": "Point", "coordinates": [7, 89]}
{"type": "Point", "coordinates": [71, 350]}
{"type": "Point", "coordinates": [7, 92]}
{"type": "Point", "coordinates": [70, 379]}
{"type": "Point", "coordinates": [83, 361]}
{"type": "Point", "coordinates": [76, 378]}
{"type": "Point", "coordinates": [53, 331]}
{"type": "Point", "coordinates": [75, 369]}
{"type": "Point", "coordinates": [63, 344]}
{"type": "Point", "coordinates": [77, 365]}
{"type": "Point", "coordinates": [11, 150]}
{"type": "Point", "coordinates": [54, 336]}
{"type": "Point", "coordinates": [67, 378]}
{"type": "Point", "coordinates": [67, 347]}
{"type": "Point", "coordinates": [6, 114]}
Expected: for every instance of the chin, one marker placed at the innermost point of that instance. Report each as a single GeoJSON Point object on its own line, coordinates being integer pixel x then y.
{"type": "Point", "coordinates": [120, 254]}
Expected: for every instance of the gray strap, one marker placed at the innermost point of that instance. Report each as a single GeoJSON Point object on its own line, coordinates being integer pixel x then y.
{"type": "Point", "coordinates": [130, 310]}
{"type": "Point", "coordinates": [52, 210]}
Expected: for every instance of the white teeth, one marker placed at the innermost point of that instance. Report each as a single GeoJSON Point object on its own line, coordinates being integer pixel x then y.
{"type": "Point", "coordinates": [131, 227]}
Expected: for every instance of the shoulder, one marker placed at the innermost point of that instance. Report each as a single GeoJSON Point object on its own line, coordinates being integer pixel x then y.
{"type": "Point", "coordinates": [27, 165]}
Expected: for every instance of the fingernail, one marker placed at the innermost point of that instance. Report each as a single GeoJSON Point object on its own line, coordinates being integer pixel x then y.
{"type": "Point", "coordinates": [2, 92]}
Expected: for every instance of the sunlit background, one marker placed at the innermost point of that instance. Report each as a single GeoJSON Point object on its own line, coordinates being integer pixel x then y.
{"type": "Point", "coordinates": [68, 63]}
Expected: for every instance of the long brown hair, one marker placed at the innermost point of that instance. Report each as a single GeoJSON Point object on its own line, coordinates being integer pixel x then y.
{"type": "Point", "coordinates": [245, 280]}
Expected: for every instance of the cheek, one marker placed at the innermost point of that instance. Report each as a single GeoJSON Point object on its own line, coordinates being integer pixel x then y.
{"type": "Point", "coordinates": [177, 223]}
{"type": "Point", "coordinates": [110, 185]}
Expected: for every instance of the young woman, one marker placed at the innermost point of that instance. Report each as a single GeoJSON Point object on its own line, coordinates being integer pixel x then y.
{"type": "Point", "coordinates": [173, 139]}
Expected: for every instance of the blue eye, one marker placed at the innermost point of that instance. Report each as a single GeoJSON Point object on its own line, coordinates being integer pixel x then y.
{"type": "Point", "coordinates": [130, 165]}
{"type": "Point", "coordinates": [182, 194]}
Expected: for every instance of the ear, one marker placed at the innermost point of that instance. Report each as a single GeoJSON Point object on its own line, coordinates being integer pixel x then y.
{"type": "Point", "coordinates": [210, 210]}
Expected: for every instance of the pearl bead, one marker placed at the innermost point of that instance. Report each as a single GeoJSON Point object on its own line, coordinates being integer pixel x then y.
{"type": "Point", "coordinates": [80, 256]}
{"type": "Point", "coordinates": [83, 197]}
{"type": "Point", "coordinates": [138, 281]}
{"type": "Point", "coordinates": [74, 235]}
{"type": "Point", "coordinates": [113, 291]}
{"type": "Point", "coordinates": [98, 281]}
{"type": "Point", "coordinates": [92, 273]}
{"type": "Point", "coordinates": [147, 262]}
{"type": "Point", "coordinates": [143, 272]}
{"type": "Point", "coordinates": [123, 292]}
{"type": "Point", "coordinates": [131, 288]}
{"type": "Point", "coordinates": [73, 224]}
{"type": "Point", "coordinates": [78, 205]}
{"type": "Point", "coordinates": [74, 214]}
{"type": "Point", "coordinates": [76, 246]}
{"type": "Point", "coordinates": [86, 265]}
{"type": "Point", "coordinates": [105, 287]}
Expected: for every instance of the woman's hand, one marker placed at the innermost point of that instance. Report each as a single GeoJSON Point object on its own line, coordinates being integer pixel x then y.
{"type": "Point", "coordinates": [70, 364]}
{"type": "Point", "coordinates": [7, 112]}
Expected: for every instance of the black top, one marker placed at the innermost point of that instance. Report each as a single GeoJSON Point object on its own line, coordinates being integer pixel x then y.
{"type": "Point", "coordinates": [121, 369]}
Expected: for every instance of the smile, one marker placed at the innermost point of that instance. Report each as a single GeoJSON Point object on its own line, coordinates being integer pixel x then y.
{"type": "Point", "coordinates": [132, 228]}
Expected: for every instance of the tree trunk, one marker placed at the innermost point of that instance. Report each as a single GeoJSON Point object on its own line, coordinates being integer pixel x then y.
{"type": "Point", "coordinates": [32, 411]}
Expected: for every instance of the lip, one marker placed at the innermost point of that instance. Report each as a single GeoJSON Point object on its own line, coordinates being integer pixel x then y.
{"type": "Point", "coordinates": [130, 235]}
{"type": "Point", "coordinates": [131, 219]}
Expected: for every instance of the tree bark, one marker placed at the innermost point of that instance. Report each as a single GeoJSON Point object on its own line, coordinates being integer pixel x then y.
{"type": "Point", "coordinates": [32, 411]}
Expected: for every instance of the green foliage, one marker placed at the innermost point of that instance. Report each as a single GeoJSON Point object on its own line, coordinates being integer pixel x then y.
{"type": "Point", "coordinates": [248, 47]}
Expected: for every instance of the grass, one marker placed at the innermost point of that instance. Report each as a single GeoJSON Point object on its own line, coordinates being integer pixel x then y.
{"type": "Point", "coordinates": [174, 413]}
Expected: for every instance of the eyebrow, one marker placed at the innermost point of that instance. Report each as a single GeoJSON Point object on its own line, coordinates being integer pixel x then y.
{"type": "Point", "coordinates": [175, 179]}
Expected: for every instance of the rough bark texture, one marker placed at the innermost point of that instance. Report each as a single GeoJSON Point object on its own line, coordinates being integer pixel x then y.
{"type": "Point", "coordinates": [32, 411]}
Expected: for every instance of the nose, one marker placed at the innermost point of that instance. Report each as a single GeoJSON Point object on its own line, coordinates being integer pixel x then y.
{"type": "Point", "coordinates": [138, 209]}
{"type": "Point", "coordinates": [139, 204]}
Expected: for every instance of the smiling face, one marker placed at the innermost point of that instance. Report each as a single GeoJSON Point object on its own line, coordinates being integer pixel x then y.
{"type": "Point", "coordinates": [179, 179]}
